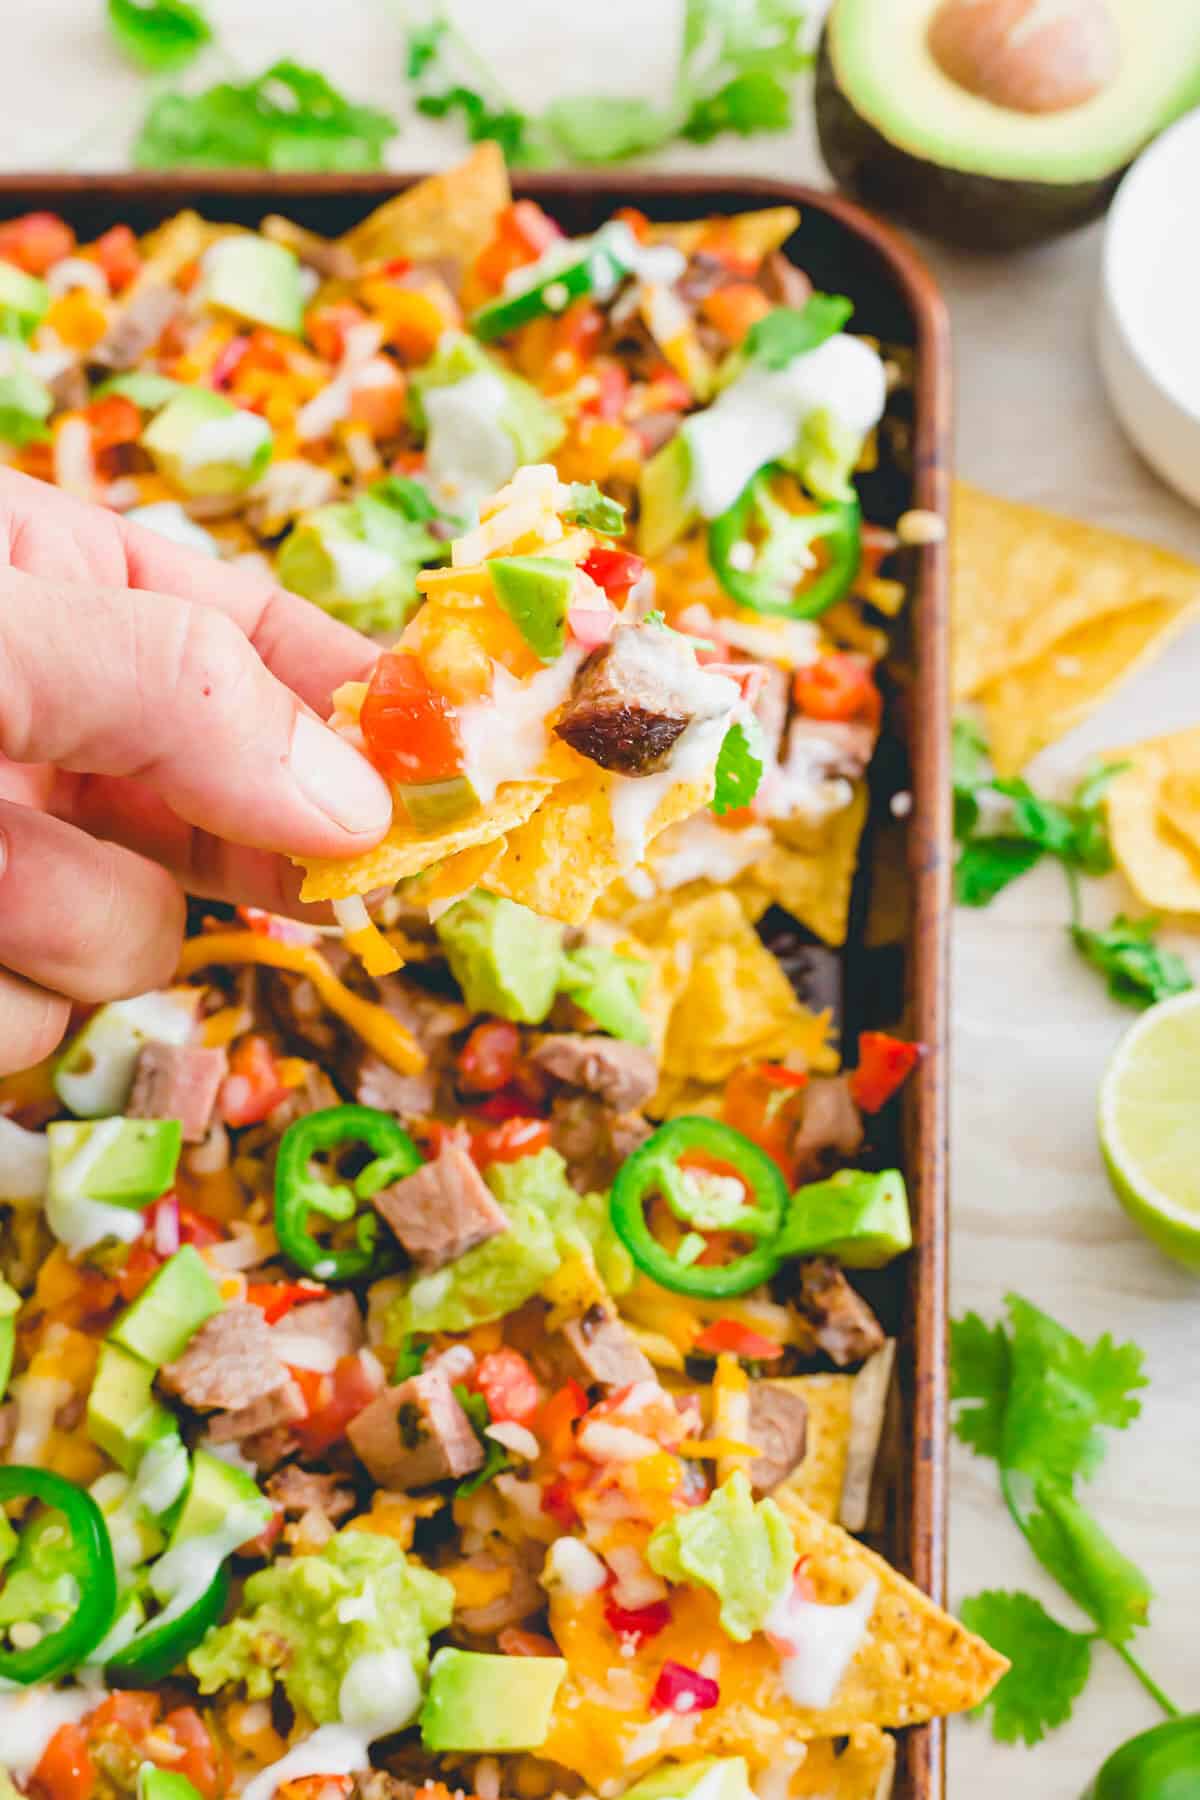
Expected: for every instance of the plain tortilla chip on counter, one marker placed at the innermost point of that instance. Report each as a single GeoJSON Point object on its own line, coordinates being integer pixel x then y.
{"type": "Point", "coordinates": [1154, 821]}
{"type": "Point", "coordinates": [1023, 580]}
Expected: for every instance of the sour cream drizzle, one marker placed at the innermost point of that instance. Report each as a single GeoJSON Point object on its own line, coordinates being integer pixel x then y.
{"type": "Point", "coordinates": [820, 1642]}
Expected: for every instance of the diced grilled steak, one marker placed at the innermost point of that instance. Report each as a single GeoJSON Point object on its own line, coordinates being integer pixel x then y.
{"type": "Point", "coordinates": [69, 388]}
{"type": "Point", "coordinates": [845, 1327]}
{"type": "Point", "coordinates": [783, 282]}
{"type": "Point", "coordinates": [299, 1490]}
{"type": "Point", "coordinates": [705, 273]}
{"type": "Point", "coordinates": [229, 1364]}
{"type": "Point", "coordinates": [829, 1126]}
{"type": "Point", "coordinates": [284, 1406]}
{"type": "Point", "coordinates": [415, 1434]}
{"type": "Point", "coordinates": [605, 1351]}
{"type": "Point", "coordinates": [594, 1140]}
{"type": "Point", "coordinates": [138, 326]}
{"type": "Point", "coordinates": [635, 698]}
{"type": "Point", "coordinates": [408, 1096]}
{"type": "Point", "coordinates": [778, 1426]}
{"type": "Point", "coordinates": [442, 1210]}
{"type": "Point", "coordinates": [335, 1323]}
{"type": "Point", "coordinates": [622, 1075]}
{"type": "Point", "coordinates": [178, 1081]}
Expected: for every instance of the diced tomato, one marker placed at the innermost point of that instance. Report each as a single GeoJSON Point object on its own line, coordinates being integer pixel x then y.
{"type": "Point", "coordinates": [775, 1075]}
{"type": "Point", "coordinates": [508, 1102]}
{"type": "Point", "coordinates": [636, 220]}
{"type": "Point", "coordinates": [734, 308]}
{"type": "Point", "coordinates": [227, 362]}
{"type": "Point", "coordinates": [379, 401]}
{"type": "Point", "coordinates": [763, 1111]}
{"type": "Point", "coordinates": [126, 1710]}
{"type": "Point", "coordinates": [612, 390]}
{"type": "Point", "coordinates": [508, 1384]}
{"type": "Point", "coordinates": [838, 686]}
{"type": "Point", "coordinates": [352, 1386]}
{"type": "Point", "coordinates": [555, 1425]}
{"type": "Point", "coordinates": [118, 255]}
{"type": "Point", "coordinates": [579, 329]}
{"type": "Point", "coordinates": [883, 1064]}
{"type": "Point", "coordinates": [489, 1057]}
{"type": "Point", "coordinates": [515, 1642]}
{"type": "Point", "coordinates": [640, 1623]}
{"type": "Point", "coordinates": [510, 1141]}
{"type": "Point", "coordinates": [253, 1086]}
{"type": "Point", "coordinates": [275, 1299]}
{"type": "Point", "coordinates": [667, 391]}
{"type": "Point", "coordinates": [205, 1764]}
{"type": "Point", "coordinates": [409, 728]}
{"type": "Point", "coordinates": [111, 421]}
{"type": "Point", "coordinates": [683, 1690]}
{"type": "Point", "coordinates": [558, 1503]}
{"type": "Point", "coordinates": [613, 570]}
{"type": "Point", "coordinates": [434, 1135]}
{"type": "Point", "coordinates": [326, 1787]}
{"type": "Point", "coordinates": [198, 1229]}
{"type": "Point", "coordinates": [523, 233]}
{"type": "Point", "coordinates": [738, 1340]}
{"type": "Point", "coordinates": [65, 1770]}
{"type": "Point", "coordinates": [142, 1263]}
{"type": "Point", "coordinates": [327, 326]}
{"type": "Point", "coordinates": [264, 1541]}
{"type": "Point", "coordinates": [36, 241]}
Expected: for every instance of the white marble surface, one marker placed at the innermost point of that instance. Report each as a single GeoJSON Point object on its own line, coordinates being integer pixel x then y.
{"type": "Point", "coordinates": [1031, 1207]}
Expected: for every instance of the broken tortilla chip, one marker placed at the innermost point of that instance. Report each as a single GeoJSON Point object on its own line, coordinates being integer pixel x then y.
{"type": "Point", "coordinates": [1154, 821]}
{"type": "Point", "coordinates": [860, 1768]}
{"type": "Point", "coordinates": [448, 217]}
{"type": "Point", "coordinates": [1041, 701]}
{"type": "Point", "coordinates": [1023, 579]}
{"type": "Point", "coordinates": [752, 235]}
{"type": "Point", "coordinates": [818, 1479]}
{"type": "Point", "coordinates": [811, 874]}
{"type": "Point", "coordinates": [912, 1662]}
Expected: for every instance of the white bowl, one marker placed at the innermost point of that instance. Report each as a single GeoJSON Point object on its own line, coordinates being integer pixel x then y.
{"type": "Point", "coordinates": [1149, 322]}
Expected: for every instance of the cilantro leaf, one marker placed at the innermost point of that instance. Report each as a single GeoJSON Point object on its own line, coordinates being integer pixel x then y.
{"type": "Point", "coordinates": [1138, 971]}
{"type": "Point", "coordinates": [410, 1359]}
{"type": "Point", "coordinates": [586, 505]}
{"type": "Point", "coordinates": [790, 331]}
{"type": "Point", "coordinates": [1050, 1664]}
{"type": "Point", "coordinates": [1083, 1559]}
{"type": "Point", "coordinates": [288, 118]}
{"type": "Point", "coordinates": [159, 35]}
{"type": "Point", "coordinates": [1092, 850]}
{"type": "Point", "coordinates": [739, 767]}
{"type": "Point", "coordinates": [601, 128]}
{"type": "Point", "coordinates": [1061, 1392]}
{"type": "Point", "coordinates": [979, 1371]}
{"type": "Point", "coordinates": [969, 771]}
{"type": "Point", "coordinates": [423, 47]}
{"type": "Point", "coordinates": [496, 1458]}
{"type": "Point", "coordinates": [755, 101]}
{"type": "Point", "coordinates": [508, 127]}
{"type": "Point", "coordinates": [987, 866]}
{"type": "Point", "coordinates": [1043, 822]}
{"type": "Point", "coordinates": [735, 61]}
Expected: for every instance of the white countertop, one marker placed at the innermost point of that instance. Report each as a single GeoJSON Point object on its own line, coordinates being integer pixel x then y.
{"type": "Point", "coordinates": [1032, 1210]}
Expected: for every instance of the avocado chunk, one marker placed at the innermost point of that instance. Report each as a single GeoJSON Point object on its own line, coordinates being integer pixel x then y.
{"type": "Point", "coordinates": [145, 387]}
{"type": "Point", "coordinates": [477, 1702]}
{"type": "Point", "coordinates": [994, 157]}
{"type": "Point", "coordinates": [860, 1219]}
{"type": "Point", "coordinates": [535, 592]}
{"type": "Point", "coordinates": [358, 559]}
{"type": "Point", "coordinates": [665, 508]}
{"type": "Point", "coordinates": [216, 1493]}
{"type": "Point", "coordinates": [123, 1416]}
{"type": "Point", "coordinates": [93, 1076]}
{"type": "Point", "coordinates": [25, 405]}
{"type": "Point", "coordinates": [257, 280]}
{"type": "Point", "coordinates": [120, 1162]}
{"type": "Point", "coordinates": [504, 957]}
{"type": "Point", "coordinates": [712, 1778]}
{"type": "Point", "coordinates": [170, 1309]}
{"type": "Point", "coordinates": [206, 445]}
{"type": "Point", "coordinates": [163, 1784]}
{"type": "Point", "coordinates": [24, 300]}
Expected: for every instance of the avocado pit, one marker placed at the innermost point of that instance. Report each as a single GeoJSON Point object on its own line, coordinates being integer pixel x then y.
{"type": "Point", "coordinates": [1034, 56]}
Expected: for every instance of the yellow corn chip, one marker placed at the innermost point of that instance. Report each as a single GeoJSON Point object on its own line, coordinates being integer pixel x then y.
{"type": "Point", "coordinates": [862, 1769]}
{"type": "Point", "coordinates": [1041, 701]}
{"type": "Point", "coordinates": [1022, 579]}
{"type": "Point", "coordinates": [445, 217]}
{"type": "Point", "coordinates": [813, 880]}
{"type": "Point", "coordinates": [752, 234]}
{"type": "Point", "coordinates": [1154, 828]}
{"type": "Point", "coordinates": [818, 1480]}
{"type": "Point", "coordinates": [407, 851]}
{"type": "Point", "coordinates": [456, 876]}
{"type": "Point", "coordinates": [913, 1662]}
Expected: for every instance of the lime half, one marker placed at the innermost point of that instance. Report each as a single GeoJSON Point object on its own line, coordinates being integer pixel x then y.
{"type": "Point", "coordinates": [1150, 1125]}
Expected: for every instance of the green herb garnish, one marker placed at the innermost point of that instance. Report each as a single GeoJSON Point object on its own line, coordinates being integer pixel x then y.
{"type": "Point", "coordinates": [288, 118]}
{"type": "Point", "coordinates": [161, 36]}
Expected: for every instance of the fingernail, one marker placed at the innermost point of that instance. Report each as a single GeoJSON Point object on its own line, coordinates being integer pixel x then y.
{"type": "Point", "coordinates": [336, 778]}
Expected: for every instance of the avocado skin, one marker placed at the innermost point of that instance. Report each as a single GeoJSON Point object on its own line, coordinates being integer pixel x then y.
{"type": "Point", "coordinates": [977, 212]}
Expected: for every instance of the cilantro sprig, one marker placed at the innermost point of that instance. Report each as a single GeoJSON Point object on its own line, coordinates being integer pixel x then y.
{"type": "Point", "coordinates": [161, 36]}
{"type": "Point", "coordinates": [288, 118]}
{"type": "Point", "coordinates": [1036, 1400]}
{"type": "Point", "coordinates": [739, 767]}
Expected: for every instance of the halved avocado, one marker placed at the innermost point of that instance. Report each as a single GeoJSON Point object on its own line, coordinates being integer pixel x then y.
{"type": "Point", "coordinates": [1015, 145]}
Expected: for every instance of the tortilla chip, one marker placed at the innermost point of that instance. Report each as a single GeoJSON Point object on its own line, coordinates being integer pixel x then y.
{"type": "Point", "coordinates": [407, 851]}
{"type": "Point", "coordinates": [752, 234]}
{"type": "Point", "coordinates": [834, 1769]}
{"type": "Point", "coordinates": [562, 859]}
{"type": "Point", "coordinates": [914, 1662]}
{"type": "Point", "coordinates": [818, 1480]}
{"type": "Point", "coordinates": [1022, 579]}
{"type": "Point", "coordinates": [451, 879]}
{"type": "Point", "coordinates": [1153, 822]}
{"type": "Point", "coordinates": [445, 217]}
{"type": "Point", "coordinates": [1041, 701]}
{"type": "Point", "coordinates": [814, 880]}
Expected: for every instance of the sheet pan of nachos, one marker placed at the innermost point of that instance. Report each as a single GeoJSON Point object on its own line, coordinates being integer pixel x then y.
{"type": "Point", "coordinates": [480, 1347]}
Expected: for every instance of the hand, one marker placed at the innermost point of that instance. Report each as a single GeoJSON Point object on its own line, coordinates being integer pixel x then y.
{"type": "Point", "coordinates": [160, 729]}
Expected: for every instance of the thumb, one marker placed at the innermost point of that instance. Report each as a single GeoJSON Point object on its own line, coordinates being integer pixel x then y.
{"type": "Point", "coordinates": [120, 682]}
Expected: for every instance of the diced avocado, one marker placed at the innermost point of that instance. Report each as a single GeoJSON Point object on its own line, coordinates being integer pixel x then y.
{"type": "Point", "coordinates": [481, 421]}
{"type": "Point", "coordinates": [145, 387]}
{"type": "Point", "coordinates": [712, 1778]}
{"type": "Point", "coordinates": [256, 279]}
{"type": "Point", "coordinates": [977, 137]}
{"type": "Point", "coordinates": [170, 1309]}
{"type": "Point", "coordinates": [163, 1784]}
{"type": "Point", "coordinates": [358, 559]}
{"type": "Point", "coordinates": [206, 445]}
{"type": "Point", "coordinates": [860, 1219]}
{"type": "Point", "coordinates": [24, 300]}
{"type": "Point", "coordinates": [432, 805]}
{"type": "Point", "coordinates": [25, 405]}
{"type": "Point", "coordinates": [504, 957]}
{"type": "Point", "coordinates": [665, 511]}
{"type": "Point", "coordinates": [535, 592]}
{"type": "Point", "coordinates": [477, 1702]}
{"type": "Point", "coordinates": [120, 1162]}
{"type": "Point", "coordinates": [10, 1306]}
{"type": "Point", "coordinates": [123, 1416]}
{"type": "Point", "coordinates": [608, 987]}
{"type": "Point", "coordinates": [95, 1072]}
{"type": "Point", "coordinates": [217, 1490]}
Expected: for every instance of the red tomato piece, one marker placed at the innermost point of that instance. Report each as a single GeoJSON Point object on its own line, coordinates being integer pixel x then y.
{"type": "Point", "coordinates": [227, 362]}
{"type": "Point", "coordinates": [126, 1710]}
{"type": "Point", "coordinates": [556, 1421]}
{"type": "Point", "coordinates": [510, 1141]}
{"type": "Point", "coordinates": [638, 1623]}
{"type": "Point", "coordinates": [508, 1102]}
{"type": "Point", "coordinates": [327, 327]}
{"type": "Point", "coordinates": [352, 1386]}
{"type": "Point", "coordinates": [489, 1057]}
{"type": "Point", "coordinates": [579, 329]}
{"type": "Point", "coordinates": [253, 1086]}
{"type": "Point", "coordinates": [558, 1504]}
{"type": "Point", "coordinates": [739, 1340]}
{"type": "Point", "coordinates": [262, 1543]}
{"type": "Point", "coordinates": [523, 233]}
{"type": "Point", "coordinates": [612, 390]}
{"type": "Point", "coordinates": [838, 686]}
{"type": "Point", "coordinates": [763, 1111]}
{"type": "Point", "coordinates": [636, 220]}
{"type": "Point", "coordinates": [139, 1266]}
{"type": "Point", "coordinates": [36, 241]}
{"type": "Point", "coordinates": [613, 570]}
{"type": "Point", "coordinates": [775, 1075]}
{"type": "Point", "coordinates": [205, 1763]}
{"type": "Point", "coordinates": [118, 256]}
{"type": "Point", "coordinates": [113, 420]}
{"type": "Point", "coordinates": [683, 1690]}
{"type": "Point", "coordinates": [409, 728]}
{"type": "Point", "coordinates": [883, 1064]}
{"type": "Point", "coordinates": [65, 1770]}
{"type": "Point", "coordinates": [198, 1229]}
{"type": "Point", "coordinates": [275, 1299]}
{"type": "Point", "coordinates": [508, 1384]}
